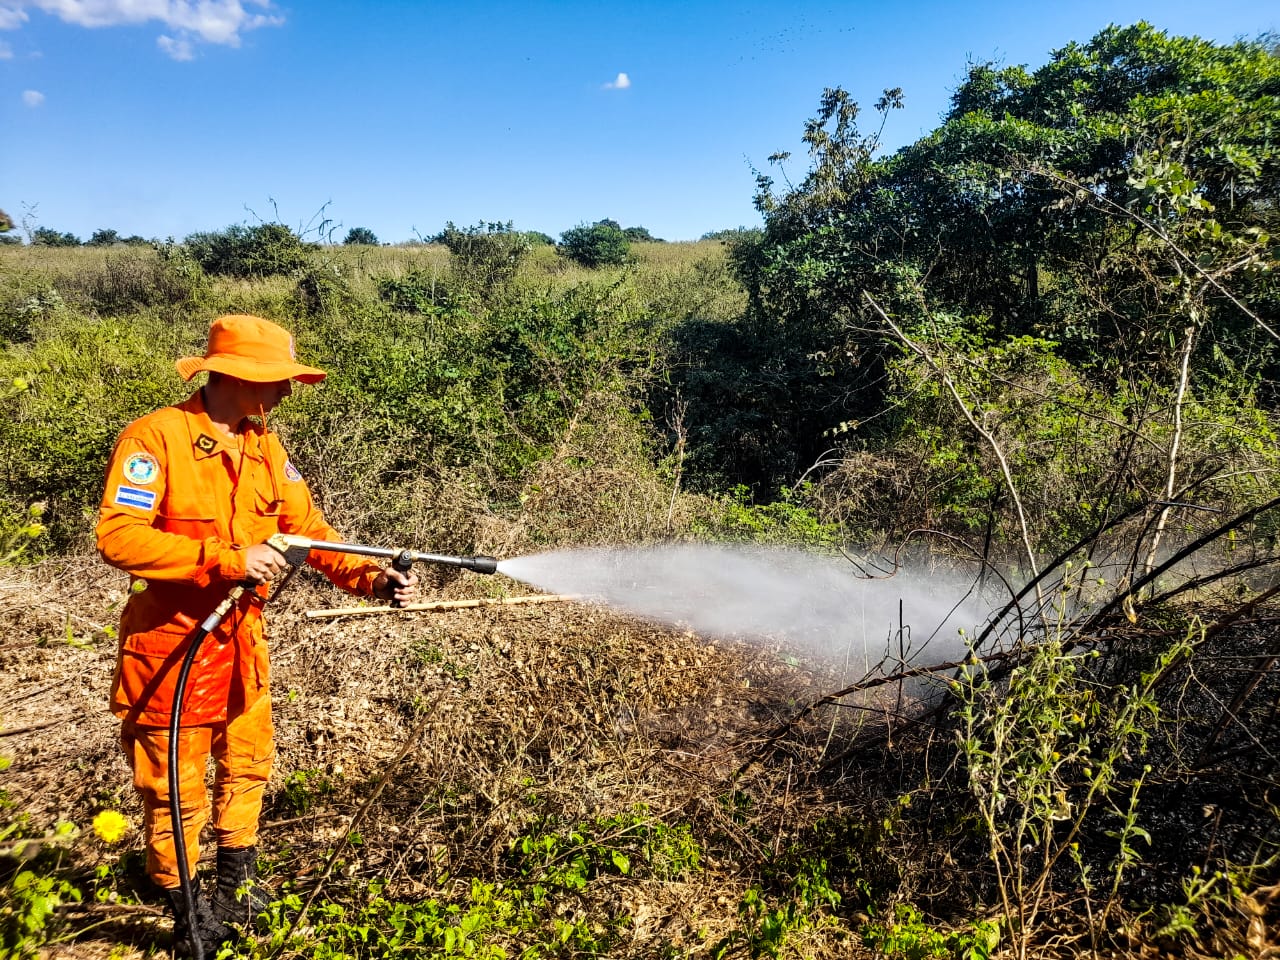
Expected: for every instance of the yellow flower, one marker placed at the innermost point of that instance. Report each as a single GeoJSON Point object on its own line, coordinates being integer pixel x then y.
{"type": "Point", "coordinates": [110, 825]}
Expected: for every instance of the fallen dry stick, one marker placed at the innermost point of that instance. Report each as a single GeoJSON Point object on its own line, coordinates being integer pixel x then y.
{"type": "Point", "coordinates": [439, 605]}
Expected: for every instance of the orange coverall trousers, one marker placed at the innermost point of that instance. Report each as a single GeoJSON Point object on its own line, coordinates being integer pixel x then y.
{"type": "Point", "coordinates": [243, 747]}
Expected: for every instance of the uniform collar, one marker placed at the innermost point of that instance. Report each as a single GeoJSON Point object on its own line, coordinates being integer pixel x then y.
{"type": "Point", "coordinates": [208, 440]}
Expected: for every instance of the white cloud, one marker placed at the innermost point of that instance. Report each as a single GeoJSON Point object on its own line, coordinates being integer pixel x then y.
{"type": "Point", "coordinates": [620, 83]}
{"type": "Point", "coordinates": [11, 17]}
{"type": "Point", "coordinates": [179, 49]}
{"type": "Point", "coordinates": [210, 21]}
{"type": "Point", "coordinates": [32, 98]}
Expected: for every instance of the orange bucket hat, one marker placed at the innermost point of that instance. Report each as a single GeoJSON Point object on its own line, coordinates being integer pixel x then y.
{"type": "Point", "coordinates": [249, 348]}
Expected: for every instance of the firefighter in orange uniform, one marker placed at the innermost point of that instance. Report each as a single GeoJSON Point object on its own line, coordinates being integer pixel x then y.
{"type": "Point", "coordinates": [192, 493]}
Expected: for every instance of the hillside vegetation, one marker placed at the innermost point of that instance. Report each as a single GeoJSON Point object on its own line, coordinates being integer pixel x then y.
{"type": "Point", "coordinates": [1036, 347]}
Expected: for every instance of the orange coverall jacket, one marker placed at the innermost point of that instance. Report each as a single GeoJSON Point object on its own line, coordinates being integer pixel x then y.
{"type": "Point", "coordinates": [182, 503]}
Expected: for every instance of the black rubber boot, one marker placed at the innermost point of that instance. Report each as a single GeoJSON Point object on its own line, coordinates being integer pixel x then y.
{"type": "Point", "coordinates": [211, 931]}
{"type": "Point", "coordinates": [239, 898]}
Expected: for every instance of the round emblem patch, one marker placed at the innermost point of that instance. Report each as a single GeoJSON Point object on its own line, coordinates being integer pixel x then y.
{"type": "Point", "coordinates": [141, 468]}
{"type": "Point", "coordinates": [291, 471]}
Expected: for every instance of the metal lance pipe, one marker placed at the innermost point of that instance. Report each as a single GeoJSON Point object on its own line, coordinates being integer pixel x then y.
{"type": "Point", "coordinates": [286, 543]}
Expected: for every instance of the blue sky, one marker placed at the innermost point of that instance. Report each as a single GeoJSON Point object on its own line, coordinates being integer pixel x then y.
{"type": "Point", "coordinates": [164, 117]}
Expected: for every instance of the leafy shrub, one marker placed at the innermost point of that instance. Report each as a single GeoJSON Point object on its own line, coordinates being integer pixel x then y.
{"type": "Point", "coordinates": [733, 233]}
{"type": "Point", "coordinates": [30, 899]}
{"type": "Point", "coordinates": [628, 844]}
{"type": "Point", "coordinates": [82, 382]}
{"type": "Point", "coordinates": [322, 288]}
{"type": "Point", "coordinates": [487, 255]}
{"type": "Point", "coordinates": [265, 250]}
{"type": "Point", "coordinates": [601, 244]}
{"type": "Point", "coordinates": [785, 520]}
{"type": "Point", "coordinates": [415, 292]}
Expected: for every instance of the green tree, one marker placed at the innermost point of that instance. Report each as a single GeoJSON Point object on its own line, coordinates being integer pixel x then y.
{"type": "Point", "coordinates": [601, 244]}
{"type": "Point", "coordinates": [48, 237]}
{"type": "Point", "coordinates": [104, 238]}
{"type": "Point", "coordinates": [1120, 197]}
{"type": "Point", "coordinates": [362, 236]}
{"type": "Point", "coordinates": [641, 235]}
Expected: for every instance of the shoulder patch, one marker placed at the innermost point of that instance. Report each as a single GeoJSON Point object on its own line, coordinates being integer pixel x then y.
{"type": "Point", "coordinates": [291, 472]}
{"type": "Point", "coordinates": [205, 443]}
{"type": "Point", "coordinates": [141, 468]}
{"type": "Point", "coordinates": [133, 497]}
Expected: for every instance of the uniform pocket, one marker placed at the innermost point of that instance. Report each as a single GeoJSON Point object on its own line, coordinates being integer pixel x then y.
{"type": "Point", "coordinates": [195, 527]}
{"type": "Point", "coordinates": [149, 665]}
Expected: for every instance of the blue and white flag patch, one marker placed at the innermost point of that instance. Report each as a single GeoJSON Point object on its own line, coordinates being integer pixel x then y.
{"type": "Point", "coordinates": [133, 497]}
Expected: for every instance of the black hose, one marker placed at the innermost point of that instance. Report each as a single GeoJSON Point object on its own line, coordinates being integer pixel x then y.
{"type": "Point", "coordinates": [175, 799]}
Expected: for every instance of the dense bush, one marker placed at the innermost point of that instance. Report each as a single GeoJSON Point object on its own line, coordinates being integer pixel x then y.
{"type": "Point", "coordinates": [414, 292]}
{"type": "Point", "coordinates": [361, 235]}
{"type": "Point", "coordinates": [640, 235]}
{"type": "Point", "coordinates": [599, 245]}
{"type": "Point", "coordinates": [265, 250]}
{"type": "Point", "coordinates": [486, 255]}
{"type": "Point", "coordinates": [81, 382]}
